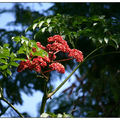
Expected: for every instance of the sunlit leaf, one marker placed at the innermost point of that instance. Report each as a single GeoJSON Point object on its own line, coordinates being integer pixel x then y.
{"type": "Point", "coordinates": [41, 23]}
{"type": "Point", "coordinates": [50, 29]}
{"type": "Point", "coordinates": [3, 67]}
{"type": "Point", "coordinates": [14, 64]}
{"type": "Point", "coordinates": [35, 25]}
{"type": "Point", "coordinates": [43, 29]}
{"type": "Point", "coordinates": [106, 40]}
{"type": "Point", "coordinates": [48, 20]}
{"type": "Point", "coordinates": [16, 39]}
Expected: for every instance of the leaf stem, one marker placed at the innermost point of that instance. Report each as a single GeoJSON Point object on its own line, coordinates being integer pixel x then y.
{"type": "Point", "coordinates": [52, 93]}
{"type": "Point", "coordinates": [12, 107]}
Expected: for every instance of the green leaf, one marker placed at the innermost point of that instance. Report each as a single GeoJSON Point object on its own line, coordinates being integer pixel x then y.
{"type": "Point", "coordinates": [24, 40]}
{"type": "Point", "coordinates": [3, 56]}
{"type": "Point", "coordinates": [1, 92]}
{"type": "Point", "coordinates": [101, 17]}
{"type": "Point", "coordinates": [5, 51]}
{"type": "Point", "coordinates": [3, 67]}
{"type": "Point", "coordinates": [113, 43]}
{"type": "Point", "coordinates": [13, 55]}
{"type": "Point", "coordinates": [40, 23]}
{"type": "Point", "coordinates": [9, 72]}
{"type": "Point", "coordinates": [100, 40]}
{"type": "Point", "coordinates": [48, 20]}
{"type": "Point", "coordinates": [3, 61]}
{"type": "Point", "coordinates": [106, 40]}
{"type": "Point", "coordinates": [34, 26]}
{"type": "Point", "coordinates": [14, 64]}
{"type": "Point", "coordinates": [50, 29]}
{"type": "Point", "coordinates": [32, 43]}
{"type": "Point", "coordinates": [21, 50]}
{"type": "Point", "coordinates": [29, 28]}
{"type": "Point", "coordinates": [40, 52]}
{"type": "Point", "coordinates": [21, 59]}
{"type": "Point", "coordinates": [43, 52]}
{"type": "Point", "coordinates": [37, 35]}
{"type": "Point", "coordinates": [6, 45]}
{"type": "Point", "coordinates": [43, 29]}
{"type": "Point", "coordinates": [16, 39]}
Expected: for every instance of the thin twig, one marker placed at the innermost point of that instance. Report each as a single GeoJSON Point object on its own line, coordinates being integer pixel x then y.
{"type": "Point", "coordinates": [12, 107]}
{"type": "Point", "coordinates": [4, 111]}
{"type": "Point", "coordinates": [63, 60]}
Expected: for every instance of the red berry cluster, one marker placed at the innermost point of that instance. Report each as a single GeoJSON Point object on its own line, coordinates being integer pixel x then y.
{"type": "Point", "coordinates": [56, 44]}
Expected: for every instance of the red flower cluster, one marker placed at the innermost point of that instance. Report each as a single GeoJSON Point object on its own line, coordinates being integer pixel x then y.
{"type": "Point", "coordinates": [35, 64]}
{"type": "Point", "coordinates": [57, 66]}
{"type": "Point", "coordinates": [56, 45]}
{"type": "Point", "coordinates": [76, 54]}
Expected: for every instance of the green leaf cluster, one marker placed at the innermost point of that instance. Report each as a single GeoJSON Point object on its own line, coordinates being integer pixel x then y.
{"type": "Point", "coordinates": [26, 46]}
{"type": "Point", "coordinates": [7, 60]}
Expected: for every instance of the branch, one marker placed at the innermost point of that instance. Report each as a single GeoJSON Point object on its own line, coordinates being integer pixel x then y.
{"type": "Point", "coordinates": [12, 107]}
{"type": "Point", "coordinates": [4, 111]}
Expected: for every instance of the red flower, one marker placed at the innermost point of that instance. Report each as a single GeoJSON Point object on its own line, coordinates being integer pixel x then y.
{"type": "Point", "coordinates": [37, 69]}
{"type": "Point", "coordinates": [58, 44]}
{"type": "Point", "coordinates": [52, 56]}
{"type": "Point", "coordinates": [40, 46]}
{"type": "Point", "coordinates": [57, 66]}
{"type": "Point", "coordinates": [46, 59]}
{"type": "Point", "coordinates": [30, 56]}
{"type": "Point", "coordinates": [50, 39]}
{"type": "Point", "coordinates": [55, 38]}
{"type": "Point", "coordinates": [39, 62]}
{"type": "Point", "coordinates": [34, 49]}
{"type": "Point", "coordinates": [76, 54]}
{"type": "Point", "coordinates": [23, 65]}
{"type": "Point", "coordinates": [56, 47]}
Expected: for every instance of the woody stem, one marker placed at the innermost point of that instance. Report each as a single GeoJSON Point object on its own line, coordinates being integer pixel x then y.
{"type": "Point", "coordinates": [44, 99]}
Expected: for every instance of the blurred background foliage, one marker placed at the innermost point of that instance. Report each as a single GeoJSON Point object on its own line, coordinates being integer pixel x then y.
{"type": "Point", "coordinates": [85, 26]}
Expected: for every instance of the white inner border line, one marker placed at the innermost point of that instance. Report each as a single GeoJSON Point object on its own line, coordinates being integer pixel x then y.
{"type": "Point", "coordinates": [82, 1]}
